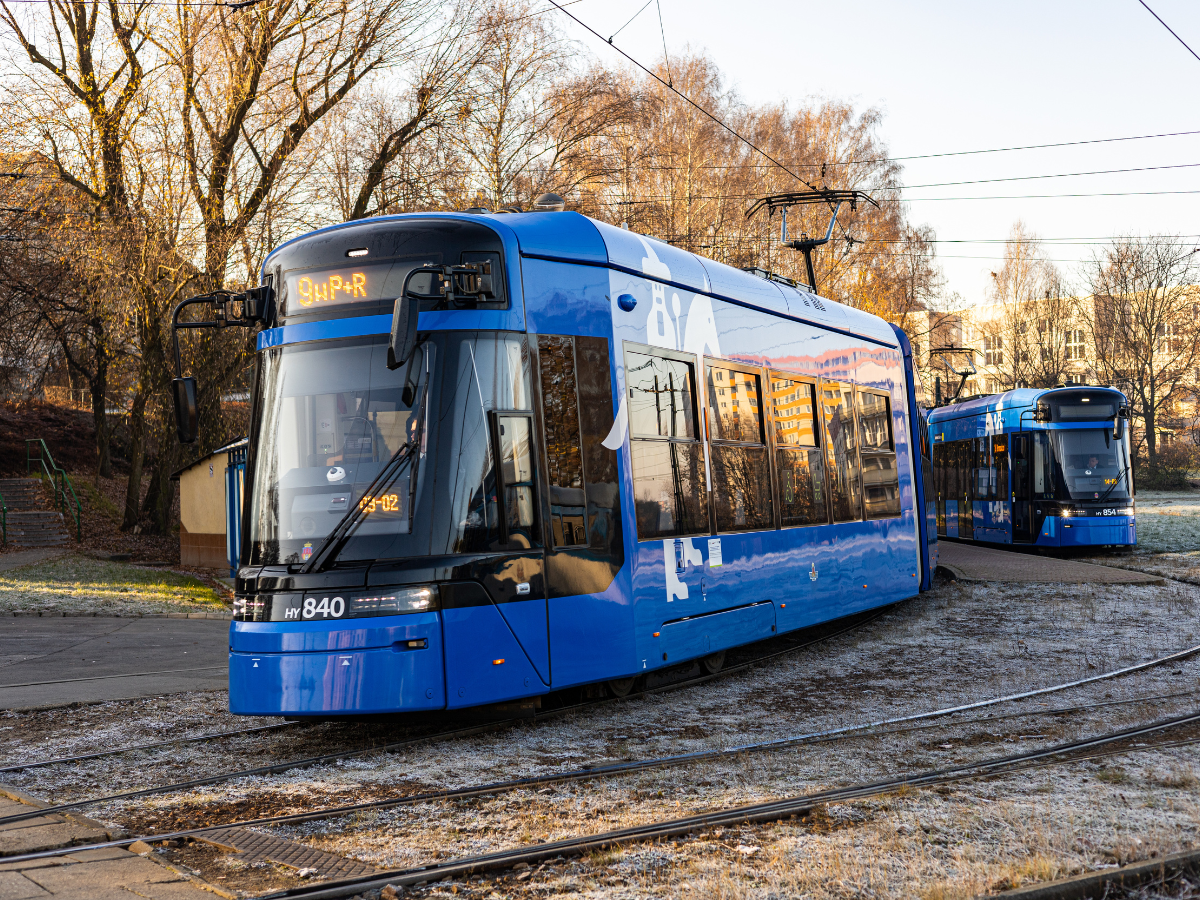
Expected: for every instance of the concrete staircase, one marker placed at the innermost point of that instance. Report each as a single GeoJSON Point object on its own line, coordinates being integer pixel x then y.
{"type": "Point", "coordinates": [29, 523]}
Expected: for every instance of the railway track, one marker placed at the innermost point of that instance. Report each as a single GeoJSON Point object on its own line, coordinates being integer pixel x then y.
{"type": "Point", "coordinates": [898, 724]}
{"type": "Point", "coordinates": [868, 729]}
{"type": "Point", "coordinates": [449, 734]}
{"type": "Point", "coordinates": [118, 751]}
{"type": "Point", "coordinates": [1106, 745]}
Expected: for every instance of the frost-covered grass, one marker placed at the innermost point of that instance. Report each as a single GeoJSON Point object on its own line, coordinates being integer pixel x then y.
{"type": "Point", "coordinates": [958, 643]}
{"type": "Point", "coordinates": [77, 585]}
{"type": "Point", "coordinates": [1168, 522]}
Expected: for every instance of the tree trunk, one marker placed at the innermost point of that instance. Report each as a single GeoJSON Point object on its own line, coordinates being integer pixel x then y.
{"type": "Point", "coordinates": [161, 495]}
{"type": "Point", "coordinates": [99, 387]}
{"type": "Point", "coordinates": [137, 454]}
{"type": "Point", "coordinates": [1151, 438]}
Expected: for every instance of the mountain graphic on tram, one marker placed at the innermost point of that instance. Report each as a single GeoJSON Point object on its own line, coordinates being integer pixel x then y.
{"type": "Point", "coordinates": [1045, 468]}
{"type": "Point", "coordinates": [494, 456]}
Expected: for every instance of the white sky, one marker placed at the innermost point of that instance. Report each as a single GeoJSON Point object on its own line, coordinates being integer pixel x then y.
{"type": "Point", "coordinates": [965, 76]}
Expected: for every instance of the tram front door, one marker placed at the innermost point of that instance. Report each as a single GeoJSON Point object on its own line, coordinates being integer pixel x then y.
{"type": "Point", "coordinates": [1022, 509]}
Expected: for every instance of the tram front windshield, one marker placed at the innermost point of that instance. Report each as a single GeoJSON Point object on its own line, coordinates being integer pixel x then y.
{"type": "Point", "coordinates": [330, 417]}
{"type": "Point", "coordinates": [1081, 464]}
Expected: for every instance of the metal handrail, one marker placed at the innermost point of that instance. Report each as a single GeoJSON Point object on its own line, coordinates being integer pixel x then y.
{"type": "Point", "coordinates": [59, 479]}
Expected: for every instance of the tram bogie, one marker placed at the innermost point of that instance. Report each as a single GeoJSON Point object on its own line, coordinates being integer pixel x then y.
{"type": "Point", "coordinates": [604, 457]}
{"type": "Point", "coordinates": [1044, 468]}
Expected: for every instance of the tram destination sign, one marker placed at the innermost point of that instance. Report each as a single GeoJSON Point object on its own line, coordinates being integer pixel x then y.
{"type": "Point", "coordinates": [308, 291]}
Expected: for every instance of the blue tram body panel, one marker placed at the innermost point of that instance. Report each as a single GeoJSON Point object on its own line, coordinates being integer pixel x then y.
{"type": "Point", "coordinates": [1053, 467]}
{"type": "Point", "coordinates": [647, 604]}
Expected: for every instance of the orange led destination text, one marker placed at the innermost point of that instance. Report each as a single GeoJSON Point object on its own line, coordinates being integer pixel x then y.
{"type": "Point", "coordinates": [353, 285]}
{"type": "Point", "coordinates": [384, 503]}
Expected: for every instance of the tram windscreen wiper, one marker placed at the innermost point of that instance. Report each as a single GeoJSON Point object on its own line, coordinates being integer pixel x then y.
{"type": "Point", "coordinates": [1112, 486]}
{"type": "Point", "coordinates": [354, 515]}
{"type": "Point", "coordinates": [334, 541]}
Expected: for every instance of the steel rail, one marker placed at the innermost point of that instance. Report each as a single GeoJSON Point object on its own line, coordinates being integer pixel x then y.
{"type": "Point", "coordinates": [589, 773]}
{"type": "Point", "coordinates": [748, 814]}
{"type": "Point", "coordinates": [469, 731]}
{"type": "Point", "coordinates": [200, 738]}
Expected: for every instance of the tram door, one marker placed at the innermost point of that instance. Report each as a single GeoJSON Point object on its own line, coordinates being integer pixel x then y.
{"type": "Point", "coordinates": [1022, 509]}
{"type": "Point", "coordinates": [967, 461]}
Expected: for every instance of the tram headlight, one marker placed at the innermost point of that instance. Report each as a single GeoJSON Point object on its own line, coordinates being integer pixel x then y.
{"type": "Point", "coordinates": [395, 601]}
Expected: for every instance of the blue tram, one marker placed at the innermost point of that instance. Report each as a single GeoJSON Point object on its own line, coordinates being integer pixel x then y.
{"type": "Point", "coordinates": [1049, 468]}
{"type": "Point", "coordinates": [497, 455]}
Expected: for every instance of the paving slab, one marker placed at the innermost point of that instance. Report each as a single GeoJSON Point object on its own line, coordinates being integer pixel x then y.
{"type": "Point", "coordinates": [87, 875]}
{"type": "Point", "coordinates": [47, 662]}
{"type": "Point", "coordinates": [971, 562]}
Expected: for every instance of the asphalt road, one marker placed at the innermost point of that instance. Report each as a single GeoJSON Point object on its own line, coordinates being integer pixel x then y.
{"type": "Point", "coordinates": [55, 661]}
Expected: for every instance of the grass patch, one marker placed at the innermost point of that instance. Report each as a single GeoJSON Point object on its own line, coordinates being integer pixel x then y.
{"type": "Point", "coordinates": [74, 584]}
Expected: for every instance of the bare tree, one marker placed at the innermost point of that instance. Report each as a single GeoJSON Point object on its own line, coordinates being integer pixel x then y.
{"type": "Point", "coordinates": [1143, 326]}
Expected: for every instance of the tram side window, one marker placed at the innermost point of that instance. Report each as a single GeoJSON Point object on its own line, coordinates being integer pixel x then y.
{"type": "Point", "coordinates": [564, 452]}
{"type": "Point", "coordinates": [797, 452]}
{"type": "Point", "coordinates": [841, 451]}
{"type": "Point", "coordinates": [880, 477]}
{"type": "Point", "coordinates": [668, 463]}
{"type": "Point", "coordinates": [740, 468]}
{"type": "Point", "coordinates": [1000, 462]}
{"type": "Point", "coordinates": [984, 470]}
{"type": "Point", "coordinates": [939, 484]}
{"type": "Point", "coordinates": [594, 372]}
{"type": "Point", "coordinates": [1042, 473]}
{"type": "Point", "coordinates": [491, 374]}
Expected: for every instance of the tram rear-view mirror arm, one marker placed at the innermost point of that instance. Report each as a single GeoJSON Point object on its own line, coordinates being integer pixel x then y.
{"type": "Point", "coordinates": [255, 306]}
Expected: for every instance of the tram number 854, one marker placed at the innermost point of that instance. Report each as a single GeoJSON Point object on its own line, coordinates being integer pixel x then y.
{"type": "Point", "coordinates": [327, 608]}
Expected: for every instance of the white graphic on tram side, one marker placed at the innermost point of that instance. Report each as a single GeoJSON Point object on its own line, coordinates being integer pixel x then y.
{"type": "Point", "coordinates": [677, 589]}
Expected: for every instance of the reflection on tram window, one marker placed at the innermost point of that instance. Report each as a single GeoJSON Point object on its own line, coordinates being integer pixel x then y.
{"type": "Point", "coordinates": [881, 486]}
{"type": "Point", "coordinates": [735, 405]}
{"type": "Point", "coordinates": [793, 412]}
{"type": "Point", "coordinates": [668, 462]}
{"type": "Point", "coordinates": [661, 396]}
{"type": "Point", "coordinates": [880, 476]}
{"type": "Point", "coordinates": [667, 488]}
{"type": "Point", "coordinates": [875, 421]}
{"type": "Point", "coordinates": [741, 469]}
{"type": "Point", "coordinates": [801, 487]}
{"type": "Point", "coordinates": [841, 451]}
{"type": "Point", "coordinates": [564, 456]}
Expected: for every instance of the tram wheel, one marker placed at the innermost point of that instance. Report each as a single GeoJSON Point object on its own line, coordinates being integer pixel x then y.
{"type": "Point", "coordinates": [620, 687]}
{"type": "Point", "coordinates": [713, 663]}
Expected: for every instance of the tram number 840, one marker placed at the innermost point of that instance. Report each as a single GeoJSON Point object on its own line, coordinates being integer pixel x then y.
{"type": "Point", "coordinates": [326, 608]}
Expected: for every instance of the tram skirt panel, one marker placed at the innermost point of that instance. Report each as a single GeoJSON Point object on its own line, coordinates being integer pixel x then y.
{"type": "Point", "coordinates": [484, 662]}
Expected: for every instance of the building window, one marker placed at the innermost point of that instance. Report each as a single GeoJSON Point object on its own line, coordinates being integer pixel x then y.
{"type": "Point", "coordinates": [993, 351]}
{"type": "Point", "coordinates": [668, 463]}
{"type": "Point", "coordinates": [1075, 344]}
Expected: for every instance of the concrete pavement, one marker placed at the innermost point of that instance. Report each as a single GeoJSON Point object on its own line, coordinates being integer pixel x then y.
{"type": "Point", "coordinates": [971, 562]}
{"type": "Point", "coordinates": [112, 874]}
{"type": "Point", "coordinates": [48, 662]}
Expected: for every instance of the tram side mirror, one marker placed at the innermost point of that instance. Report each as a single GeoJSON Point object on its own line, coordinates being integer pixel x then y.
{"type": "Point", "coordinates": [1041, 414]}
{"type": "Point", "coordinates": [187, 415]}
{"type": "Point", "coordinates": [1119, 422]}
{"type": "Point", "coordinates": [404, 330]}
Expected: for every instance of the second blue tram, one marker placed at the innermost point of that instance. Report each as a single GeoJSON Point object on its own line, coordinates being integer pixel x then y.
{"type": "Point", "coordinates": [616, 457]}
{"type": "Point", "coordinates": [1049, 468]}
